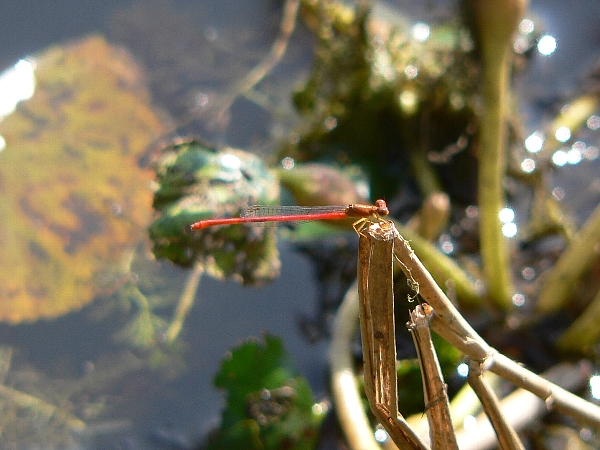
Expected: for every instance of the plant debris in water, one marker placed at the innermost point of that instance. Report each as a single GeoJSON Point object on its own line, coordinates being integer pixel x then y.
{"type": "Point", "coordinates": [383, 99]}
{"type": "Point", "coordinates": [53, 413]}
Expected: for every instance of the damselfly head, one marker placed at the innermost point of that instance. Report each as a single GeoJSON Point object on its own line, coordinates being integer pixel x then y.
{"type": "Point", "coordinates": [382, 209]}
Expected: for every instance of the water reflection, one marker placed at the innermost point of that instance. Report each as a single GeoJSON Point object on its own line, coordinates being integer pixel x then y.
{"type": "Point", "coordinates": [546, 45]}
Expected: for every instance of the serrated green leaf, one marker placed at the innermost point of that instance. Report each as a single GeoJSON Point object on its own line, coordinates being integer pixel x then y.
{"type": "Point", "coordinates": [269, 404]}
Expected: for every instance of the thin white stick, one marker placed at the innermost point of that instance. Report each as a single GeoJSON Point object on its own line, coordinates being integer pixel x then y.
{"type": "Point", "coordinates": [520, 408]}
{"type": "Point", "coordinates": [345, 389]}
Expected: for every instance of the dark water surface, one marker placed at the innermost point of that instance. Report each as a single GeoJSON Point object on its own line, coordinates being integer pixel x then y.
{"type": "Point", "coordinates": [164, 414]}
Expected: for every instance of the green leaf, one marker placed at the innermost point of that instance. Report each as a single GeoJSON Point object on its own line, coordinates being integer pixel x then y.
{"type": "Point", "coordinates": [196, 182]}
{"type": "Point", "coordinates": [269, 404]}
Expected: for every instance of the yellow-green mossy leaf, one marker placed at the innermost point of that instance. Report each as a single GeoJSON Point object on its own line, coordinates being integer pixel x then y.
{"type": "Point", "coordinates": [73, 196]}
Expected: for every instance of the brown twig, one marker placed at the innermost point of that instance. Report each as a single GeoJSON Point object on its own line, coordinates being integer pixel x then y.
{"type": "Point", "coordinates": [437, 405]}
{"type": "Point", "coordinates": [448, 323]}
{"type": "Point", "coordinates": [376, 295]}
{"type": "Point", "coordinates": [507, 437]}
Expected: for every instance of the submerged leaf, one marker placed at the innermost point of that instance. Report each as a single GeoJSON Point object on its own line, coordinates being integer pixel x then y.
{"type": "Point", "coordinates": [73, 196]}
{"type": "Point", "coordinates": [197, 182]}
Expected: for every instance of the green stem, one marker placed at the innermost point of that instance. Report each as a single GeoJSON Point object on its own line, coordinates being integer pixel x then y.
{"type": "Point", "coordinates": [584, 332]}
{"type": "Point", "coordinates": [571, 266]}
{"type": "Point", "coordinates": [494, 23]}
{"type": "Point", "coordinates": [185, 303]}
{"type": "Point", "coordinates": [492, 168]}
{"type": "Point", "coordinates": [444, 270]}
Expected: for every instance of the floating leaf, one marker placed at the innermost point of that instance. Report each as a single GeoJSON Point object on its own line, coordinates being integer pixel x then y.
{"type": "Point", "coordinates": [197, 182]}
{"type": "Point", "coordinates": [73, 195]}
{"type": "Point", "coordinates": [269, 405]}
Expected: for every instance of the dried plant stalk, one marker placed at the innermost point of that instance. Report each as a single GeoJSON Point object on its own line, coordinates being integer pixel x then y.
{"type": "Point", "coordinates": [344, 387]}
{"type": "Point", "coordinates": [507, 436]}
{"type": "Point", "coordinates": [379, 244]}
{"type": "Point", "coordinates": [376, 295]}
{"type": "Point", "coordinates": [449, 324]}
{"type": "Point", "coordinates": [437, 404]}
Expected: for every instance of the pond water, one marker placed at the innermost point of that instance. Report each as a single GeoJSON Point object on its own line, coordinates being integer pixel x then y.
{"type": "Point", "coordinates": [149, 410]}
